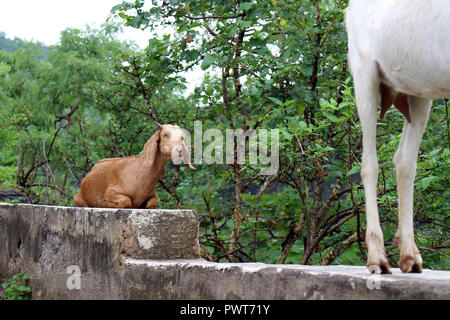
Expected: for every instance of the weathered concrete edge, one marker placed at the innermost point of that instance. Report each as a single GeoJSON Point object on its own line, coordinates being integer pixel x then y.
{"type": "Point", "coordinates": [138, 233]}
{"type": "Point", "coordinates": [200, 279]}
{"type": "Point", "coordinates": [53, 238]}
{"type": "Point", "coordinates": [44, 241]}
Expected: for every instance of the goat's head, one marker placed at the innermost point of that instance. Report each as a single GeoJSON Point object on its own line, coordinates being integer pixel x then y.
{"type": "Point", "coordinates": [172, 144]}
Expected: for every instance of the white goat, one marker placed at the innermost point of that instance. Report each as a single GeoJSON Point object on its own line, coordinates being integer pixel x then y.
{"type": "Point", "coordinates": [399, 50]}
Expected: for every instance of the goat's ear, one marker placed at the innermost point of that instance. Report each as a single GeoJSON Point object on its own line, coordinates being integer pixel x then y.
{"type": "Point", "coordinates": [157, 136]}
{"type": "Point", "coordinates": [151, 147]}
{"type": "Point", "coordinates": [186, 157]}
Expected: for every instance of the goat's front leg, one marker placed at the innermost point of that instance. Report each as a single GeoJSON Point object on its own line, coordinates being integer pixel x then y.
{"type": "Point", "coordinates": [366, 91]}
{"type": "Point", "coordinates": [152, 203]}
{"type": "Point", "coordinates": [405, 161]}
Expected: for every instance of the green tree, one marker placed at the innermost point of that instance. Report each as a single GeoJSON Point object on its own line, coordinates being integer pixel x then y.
{"type": "Point", "coordinates": [274, 64]}
{"type": "Point", "coordinates": [265, 65]}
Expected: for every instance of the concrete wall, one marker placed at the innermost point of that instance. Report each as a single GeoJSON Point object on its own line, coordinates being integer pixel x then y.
{"type": "Point", "coordinates": [154, 254]}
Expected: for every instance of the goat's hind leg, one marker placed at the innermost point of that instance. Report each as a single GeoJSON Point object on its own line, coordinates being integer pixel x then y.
{"type": "Point", "coordinates": [366, 91]}
{"type": "Point", "coordinates": [114, 199]}
{"type": "Point", "coordinates": [405, 161]}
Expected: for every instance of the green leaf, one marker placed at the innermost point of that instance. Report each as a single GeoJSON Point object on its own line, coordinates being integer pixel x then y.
{"type": "Point", "coordinates": [276, 101]}
{"type": "Point", "coordinates": [425, 182]}
{"type": "Point", "coordinates": [244, 24]}
{"type": "Point", "coordinates": [245, 6]}
{"type": "Point", "coordinates": [354, 169]}
{"type": "Point", "coordinates": [323, 102]}
{"type": "Point", "coordinates": [302, 124]}
{"type": "Point", "coordinates": [208, 60]}
{"type": "Point", "coordinates": [331, 117]}
{"type": "Point", "coordinates": [289, 102]}
{"type": "Point", "coordinates": [252, 13]}
{"type": "Point", "coordinates": [287, 135]}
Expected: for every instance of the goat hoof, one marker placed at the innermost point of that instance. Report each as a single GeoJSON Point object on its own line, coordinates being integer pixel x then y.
{"type": "Point", "coordinates": [379, 268]}
{"type": "Point", "coordinates": [410, 264]}
{"type": "Point", "coordinates": [410, 258]}
{"type": "Point", "coordinates": [378, 264]}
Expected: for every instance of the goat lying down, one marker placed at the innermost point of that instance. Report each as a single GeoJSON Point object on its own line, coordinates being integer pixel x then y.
{"type": "Point", "coordinates": [131, 182]}
{"type": "Point", "coordinates": [399, 50]}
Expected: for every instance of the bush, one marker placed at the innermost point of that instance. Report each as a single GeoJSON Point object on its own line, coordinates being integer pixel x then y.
{"type": "Point", "coordinates": [17, 288]}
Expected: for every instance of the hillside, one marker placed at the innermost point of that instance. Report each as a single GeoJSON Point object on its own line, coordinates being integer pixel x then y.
{"type": "Point", "coordinates": [11, 45]}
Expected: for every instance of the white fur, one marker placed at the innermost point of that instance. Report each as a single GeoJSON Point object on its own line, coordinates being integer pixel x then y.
{"type": "Point", "coordinates": [404, 44]}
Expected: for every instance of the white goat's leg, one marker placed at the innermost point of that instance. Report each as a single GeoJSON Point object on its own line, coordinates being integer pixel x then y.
{"type": "Point", "coordinates": [366, 90]}
{"type": "Point", "coordinates": [405, 161]}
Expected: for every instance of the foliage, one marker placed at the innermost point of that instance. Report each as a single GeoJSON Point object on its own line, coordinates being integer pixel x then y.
{"type": "Point", "coordinates": [265, 65]}
{"type": "Point", "coordinates": [17, 288]}
{"type": "Point", "coordinates": [8, 44]}
{"type": "Point", "coordinates": [11, 45]}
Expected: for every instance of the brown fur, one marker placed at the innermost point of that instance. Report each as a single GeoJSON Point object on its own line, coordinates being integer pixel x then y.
{"type": "Point", "coordinates": [130, 182]}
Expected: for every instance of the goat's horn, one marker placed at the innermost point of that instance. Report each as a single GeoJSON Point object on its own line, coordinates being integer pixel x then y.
{"type": "Point", "coordinates": [158, 124]}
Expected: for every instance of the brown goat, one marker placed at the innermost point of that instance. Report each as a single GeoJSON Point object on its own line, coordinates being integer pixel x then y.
{"type": "Point", "coordinates": [130, 182]}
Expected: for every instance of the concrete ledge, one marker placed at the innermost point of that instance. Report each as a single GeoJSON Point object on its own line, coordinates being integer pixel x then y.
{"type": "Point", "coordinates": [154, 254]}
{"type": "Point", "coordinates": [136, 233]}
{"type": "Point", "coordinates": [199, 279]}
{"type": "Point", "coordinates": [44, 241]}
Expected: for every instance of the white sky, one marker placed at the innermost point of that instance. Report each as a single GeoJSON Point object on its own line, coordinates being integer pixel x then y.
{"type": "Point", "coordinates": [43, 20]}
